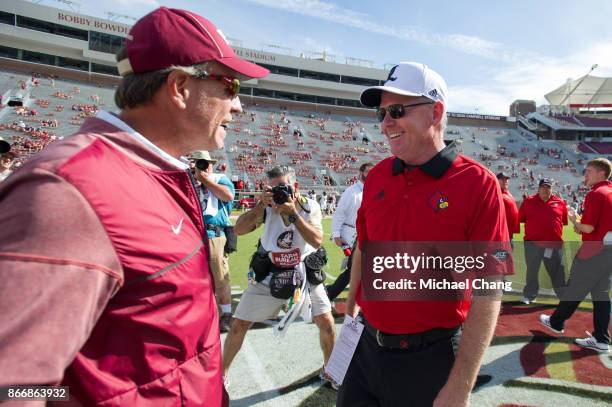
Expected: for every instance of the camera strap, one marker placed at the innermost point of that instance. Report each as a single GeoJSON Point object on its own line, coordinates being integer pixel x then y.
{"type": "Point", "coordinates": [303, 201]}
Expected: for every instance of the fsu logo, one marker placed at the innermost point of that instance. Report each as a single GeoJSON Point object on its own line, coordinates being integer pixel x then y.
{"type": "Point", "coordinates": [438, 202]}
{"type": "Point", "coordinates": [285, 240]}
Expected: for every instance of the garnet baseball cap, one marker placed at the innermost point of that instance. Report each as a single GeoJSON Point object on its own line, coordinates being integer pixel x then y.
{"type": "Point", "coordinates": [168, 36]}
{"type": "Point", "coordinates": [408, 79]}
{"type": "Point", "coordinates": [546, 182]}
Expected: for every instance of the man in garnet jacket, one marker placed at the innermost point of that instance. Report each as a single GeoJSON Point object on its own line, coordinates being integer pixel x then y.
{"type": "Point", "coordinates": [105, 286]}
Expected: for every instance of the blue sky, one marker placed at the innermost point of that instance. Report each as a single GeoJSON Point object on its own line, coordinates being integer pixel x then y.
{"type": "Point", "coordinates": [490, 53]}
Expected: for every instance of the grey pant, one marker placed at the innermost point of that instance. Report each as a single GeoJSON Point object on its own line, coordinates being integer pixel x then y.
{"type": "Point", "coordinates": [534, 255]}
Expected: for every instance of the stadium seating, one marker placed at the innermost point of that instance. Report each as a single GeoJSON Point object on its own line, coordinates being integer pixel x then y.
{"type": "Point", "coordinates": [325, 149]}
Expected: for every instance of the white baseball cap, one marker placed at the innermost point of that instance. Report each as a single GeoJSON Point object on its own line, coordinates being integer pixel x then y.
{"type": "Point", "coordinates": [408, 79]}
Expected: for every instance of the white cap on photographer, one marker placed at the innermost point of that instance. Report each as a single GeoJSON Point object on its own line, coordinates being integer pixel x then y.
{"type": "Point", "coordinates": [409, 79]}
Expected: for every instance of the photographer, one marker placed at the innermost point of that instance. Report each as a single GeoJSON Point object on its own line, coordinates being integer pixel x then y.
{"type": "Point", "coordinates": [217, 198]}
{"type": "Point", "coordinates": [292, 234]}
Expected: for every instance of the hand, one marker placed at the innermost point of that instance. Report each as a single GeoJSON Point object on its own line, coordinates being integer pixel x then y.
{"type": "Point", "coordinates": [288, 208]}
{"type": "Point", "coordinates": [451, 398]}
{"type": "Point", "coordinates": [339, 242]}
{"type": "Point", "coordinates": [351, 309]}
{"type": "Point", "coordinates": [202, 176]}
{"type": "Point", "coordinates": [571, 213]}
{"type": "Point", "coordinates": [266, 196]}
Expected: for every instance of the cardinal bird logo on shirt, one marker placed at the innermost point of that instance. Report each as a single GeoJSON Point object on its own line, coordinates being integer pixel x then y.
{"type": "Point", "coordinates": [438, 202]}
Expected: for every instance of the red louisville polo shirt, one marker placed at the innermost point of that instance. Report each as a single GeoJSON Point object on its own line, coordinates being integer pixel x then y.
{"type": "Point", "coordinates": [597, 213]}
{"type": "Point", "coordinates": [543, 220]}
{"type": "Point", "coordinates": [449, 198]}
{"type": "Point", "coordinates": [511, 213]}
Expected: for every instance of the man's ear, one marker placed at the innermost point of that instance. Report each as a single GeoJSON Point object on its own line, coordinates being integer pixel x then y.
{"type": "Point", "coordinates": [177, 88]}
{"type": "Point", "coordinates": [438, 113]}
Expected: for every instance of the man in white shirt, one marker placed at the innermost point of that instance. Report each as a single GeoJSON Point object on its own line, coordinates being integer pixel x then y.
{"type": "Point", "coordinates": [343, 228]}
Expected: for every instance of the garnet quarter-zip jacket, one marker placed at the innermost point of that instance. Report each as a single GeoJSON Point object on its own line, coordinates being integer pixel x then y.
{"type": "Point", "coordinates": [104, 279]}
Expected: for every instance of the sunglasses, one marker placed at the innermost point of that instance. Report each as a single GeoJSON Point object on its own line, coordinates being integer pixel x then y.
{"type": "Point", "coordinates": [232, 85]}
{"type": "Point", "coordinates": [396, 111]}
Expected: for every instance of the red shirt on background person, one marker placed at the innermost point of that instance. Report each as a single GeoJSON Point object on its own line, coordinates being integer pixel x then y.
{"type": "Point", "coordinates": [509, 204]}
{"type": "Point", "coordinates": [544, 215]}
{"type": "Point", "coordinates": [591, 270]}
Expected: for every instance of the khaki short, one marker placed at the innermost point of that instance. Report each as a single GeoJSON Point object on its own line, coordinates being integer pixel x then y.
{"type": "Point", "coordinates": [257, 304]}
{"type": "Point", "coordinates": [218, 263]}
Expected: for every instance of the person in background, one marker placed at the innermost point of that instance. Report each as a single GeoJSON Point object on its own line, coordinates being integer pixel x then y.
{"type": "Point", "coordinates": [217, 199]}
{"type": "Point", "coordinates": [544, 215]}
{"type": "Point", "coordinates": [591, 268]}
{"type": "Point", "coordinates": [344, 232]}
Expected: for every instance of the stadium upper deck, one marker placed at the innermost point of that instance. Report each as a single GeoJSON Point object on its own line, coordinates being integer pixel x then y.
{"type": "Point", "coordinates": [55, 37]}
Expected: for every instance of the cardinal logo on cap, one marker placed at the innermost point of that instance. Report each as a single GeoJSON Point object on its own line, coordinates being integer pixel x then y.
{"type": "Point", "coordinates": [391, 72]}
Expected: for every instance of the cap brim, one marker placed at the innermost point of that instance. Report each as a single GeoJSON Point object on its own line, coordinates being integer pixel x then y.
{"type": "Point", "coordinates": [245, 68]}
{"type": "Point", "coordinates": [4, 147]}
{"type": "Point", "coordinates": [371, 96]}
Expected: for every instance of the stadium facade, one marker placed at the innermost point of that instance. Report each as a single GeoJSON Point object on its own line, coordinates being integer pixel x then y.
{"type": "Point", "coordinates": [56, 37]}
{"type": "Point", "coordinates": [75, 46]}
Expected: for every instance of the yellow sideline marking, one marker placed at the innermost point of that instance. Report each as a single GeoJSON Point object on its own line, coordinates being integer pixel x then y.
{"type": "Point", "coordinates": [559, 361]}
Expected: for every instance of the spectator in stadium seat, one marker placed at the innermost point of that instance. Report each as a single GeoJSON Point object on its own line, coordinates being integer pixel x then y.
{"type": "Point", "coordinates": [420, 195]}
{"type": "Point", "coordinates": [6, 159]}
{"type": "Point", "coordinates": [544, 215]}
{"type": "Point", "coordinates": [344, 232]}
{"type": "Point", "coordinates": [112, 295]}
{"type": "Point", "coordinates": [509, 204]}
{"type": "Point", "coordinates": [216, 193]}
{"type": "Point", "coordinates": [591, 268]}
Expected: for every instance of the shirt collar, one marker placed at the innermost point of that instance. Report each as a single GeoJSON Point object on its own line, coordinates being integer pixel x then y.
{"type": "Point", "coordinates": [602, 183]}
{"type": "Point", "coordinates": [435, 167]}
{"type": "Point", "coordinates": [120, 124]}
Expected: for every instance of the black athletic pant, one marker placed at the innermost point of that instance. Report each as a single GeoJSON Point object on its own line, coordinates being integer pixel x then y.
{"type": "Point", "coordinates": [394, 377]}
{"type": "Point", "coordinates": [343, 280]}
{"type": "Point", "coordinates": [534, 255]}
{"type": "Point", "coordinates": [588, 276]}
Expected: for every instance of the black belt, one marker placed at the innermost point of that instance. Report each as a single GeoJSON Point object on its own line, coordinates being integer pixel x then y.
{"type": "Point", "coordinates": [350, 226]}
{"type": "Point", "coordinates": [409, 341]}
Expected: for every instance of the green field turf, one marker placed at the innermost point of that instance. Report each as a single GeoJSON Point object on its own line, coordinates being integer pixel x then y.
{"type": "Point", "coordinates": [239, 260]}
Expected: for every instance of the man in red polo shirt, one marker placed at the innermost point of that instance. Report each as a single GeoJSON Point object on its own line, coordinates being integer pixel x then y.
{"type": "Point", "coordinates": [406, 353]}
{"type": "Point", "coordinates": [593, 263]}
{"type": "Point", "coordinates": [509, 204]}
{"type": "Point", "coordinates": [544, 215]}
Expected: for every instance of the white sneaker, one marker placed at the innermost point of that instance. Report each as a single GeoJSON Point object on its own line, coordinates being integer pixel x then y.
{"type": "Point", "coordinates": [545, 320]}
{"type": "Point", "coordinates": [591, 343]}
{"type": "Point", "coordinates": [525, 301]}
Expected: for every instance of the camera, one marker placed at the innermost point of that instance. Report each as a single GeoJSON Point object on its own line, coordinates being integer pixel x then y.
{"type": "Point", "coordinates": [281, 193]}
{"type": "Point", "coordinates": [202, 164]}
